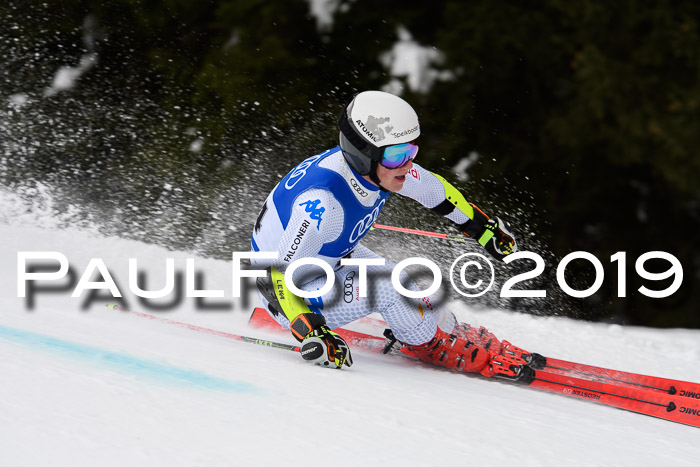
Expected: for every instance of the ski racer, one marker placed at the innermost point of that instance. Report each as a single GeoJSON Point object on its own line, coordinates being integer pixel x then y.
{"type": "Point", "coordinates": [325, 205]}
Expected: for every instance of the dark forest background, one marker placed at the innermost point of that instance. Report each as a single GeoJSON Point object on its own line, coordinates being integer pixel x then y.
{"type": "Point", "coordinates": [585, 116]}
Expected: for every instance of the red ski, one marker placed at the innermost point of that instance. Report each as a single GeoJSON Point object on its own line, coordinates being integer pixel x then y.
{"type": "Point", "coordinates": [682, 389]}
{"type": "Point", "coordinates": [648, 402]}
{"type": "Point", "coordinates": [657, 397]}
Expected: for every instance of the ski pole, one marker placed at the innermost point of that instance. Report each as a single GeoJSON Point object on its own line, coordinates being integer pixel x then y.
{"type": "Point", "coordinates": [193, 327]}
{"type": "Point", "coordinates": [452, 237]}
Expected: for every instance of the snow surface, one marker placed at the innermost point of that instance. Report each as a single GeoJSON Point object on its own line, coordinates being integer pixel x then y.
{"type": "Point", "coordinates": [100, 387]}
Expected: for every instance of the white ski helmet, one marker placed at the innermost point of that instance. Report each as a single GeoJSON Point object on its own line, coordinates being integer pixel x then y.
{"type": "Point", "coordinates": [371, 123]}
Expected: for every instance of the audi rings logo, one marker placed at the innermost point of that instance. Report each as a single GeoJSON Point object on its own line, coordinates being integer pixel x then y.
{"type": "Point", "coordinates": [365, 223]}
{"type": "Point", "coordinates": [300, 171]}
{"type": "Point", "coordinates": [356, 186]}
{"type": "Point", "coordinates": [348, 287]}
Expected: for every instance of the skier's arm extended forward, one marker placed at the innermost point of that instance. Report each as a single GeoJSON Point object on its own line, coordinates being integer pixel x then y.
{"type": "Point", "coordinates": [441, 197]}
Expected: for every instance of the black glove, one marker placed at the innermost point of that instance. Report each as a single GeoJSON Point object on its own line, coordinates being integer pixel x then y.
{"type": "Point", "coordinates": [497, 239]}
{"type": "Point", "coordinates": [319, 344]}
{"type": "Point", "coordinates": [491, 233]}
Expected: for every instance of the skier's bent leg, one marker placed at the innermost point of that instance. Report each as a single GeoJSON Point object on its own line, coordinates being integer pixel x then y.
{"type": "Point", "coordinates": [436, 338]}
{"type": "Point", "coordinates": [429, 333]}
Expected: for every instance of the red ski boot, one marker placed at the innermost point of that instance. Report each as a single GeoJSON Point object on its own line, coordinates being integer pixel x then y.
{"type": "Point", "coordinates": [514, 352]}
{"type": "Point", "coordinates": [480, 336]}
{"type": "Point", "coordinates": [488, 341]}
{"type": "Point", "coordinates": [506, 366]}
{"type": "Point", "coordinates": [450, 351]}
{"type": "Point", "coordinates": [459, 354]}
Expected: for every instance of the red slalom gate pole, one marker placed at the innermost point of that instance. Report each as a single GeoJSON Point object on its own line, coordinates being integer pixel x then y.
{"type": "Point", "coordinates": [425, 233]}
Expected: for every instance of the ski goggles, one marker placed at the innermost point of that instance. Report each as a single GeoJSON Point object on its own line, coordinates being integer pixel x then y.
{"type": "Point", "coordinates": [398, 155]}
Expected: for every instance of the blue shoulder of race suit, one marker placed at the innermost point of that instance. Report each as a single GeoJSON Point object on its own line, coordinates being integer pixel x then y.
{"type": "Point", "coordinates": [358, 218]}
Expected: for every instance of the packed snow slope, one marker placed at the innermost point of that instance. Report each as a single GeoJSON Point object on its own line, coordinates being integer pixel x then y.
{"type": "Point", "coordinates": [100, 387]}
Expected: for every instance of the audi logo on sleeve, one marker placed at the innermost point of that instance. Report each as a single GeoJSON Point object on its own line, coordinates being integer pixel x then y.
{"type": "Point", "coordinates": [348, 286]}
